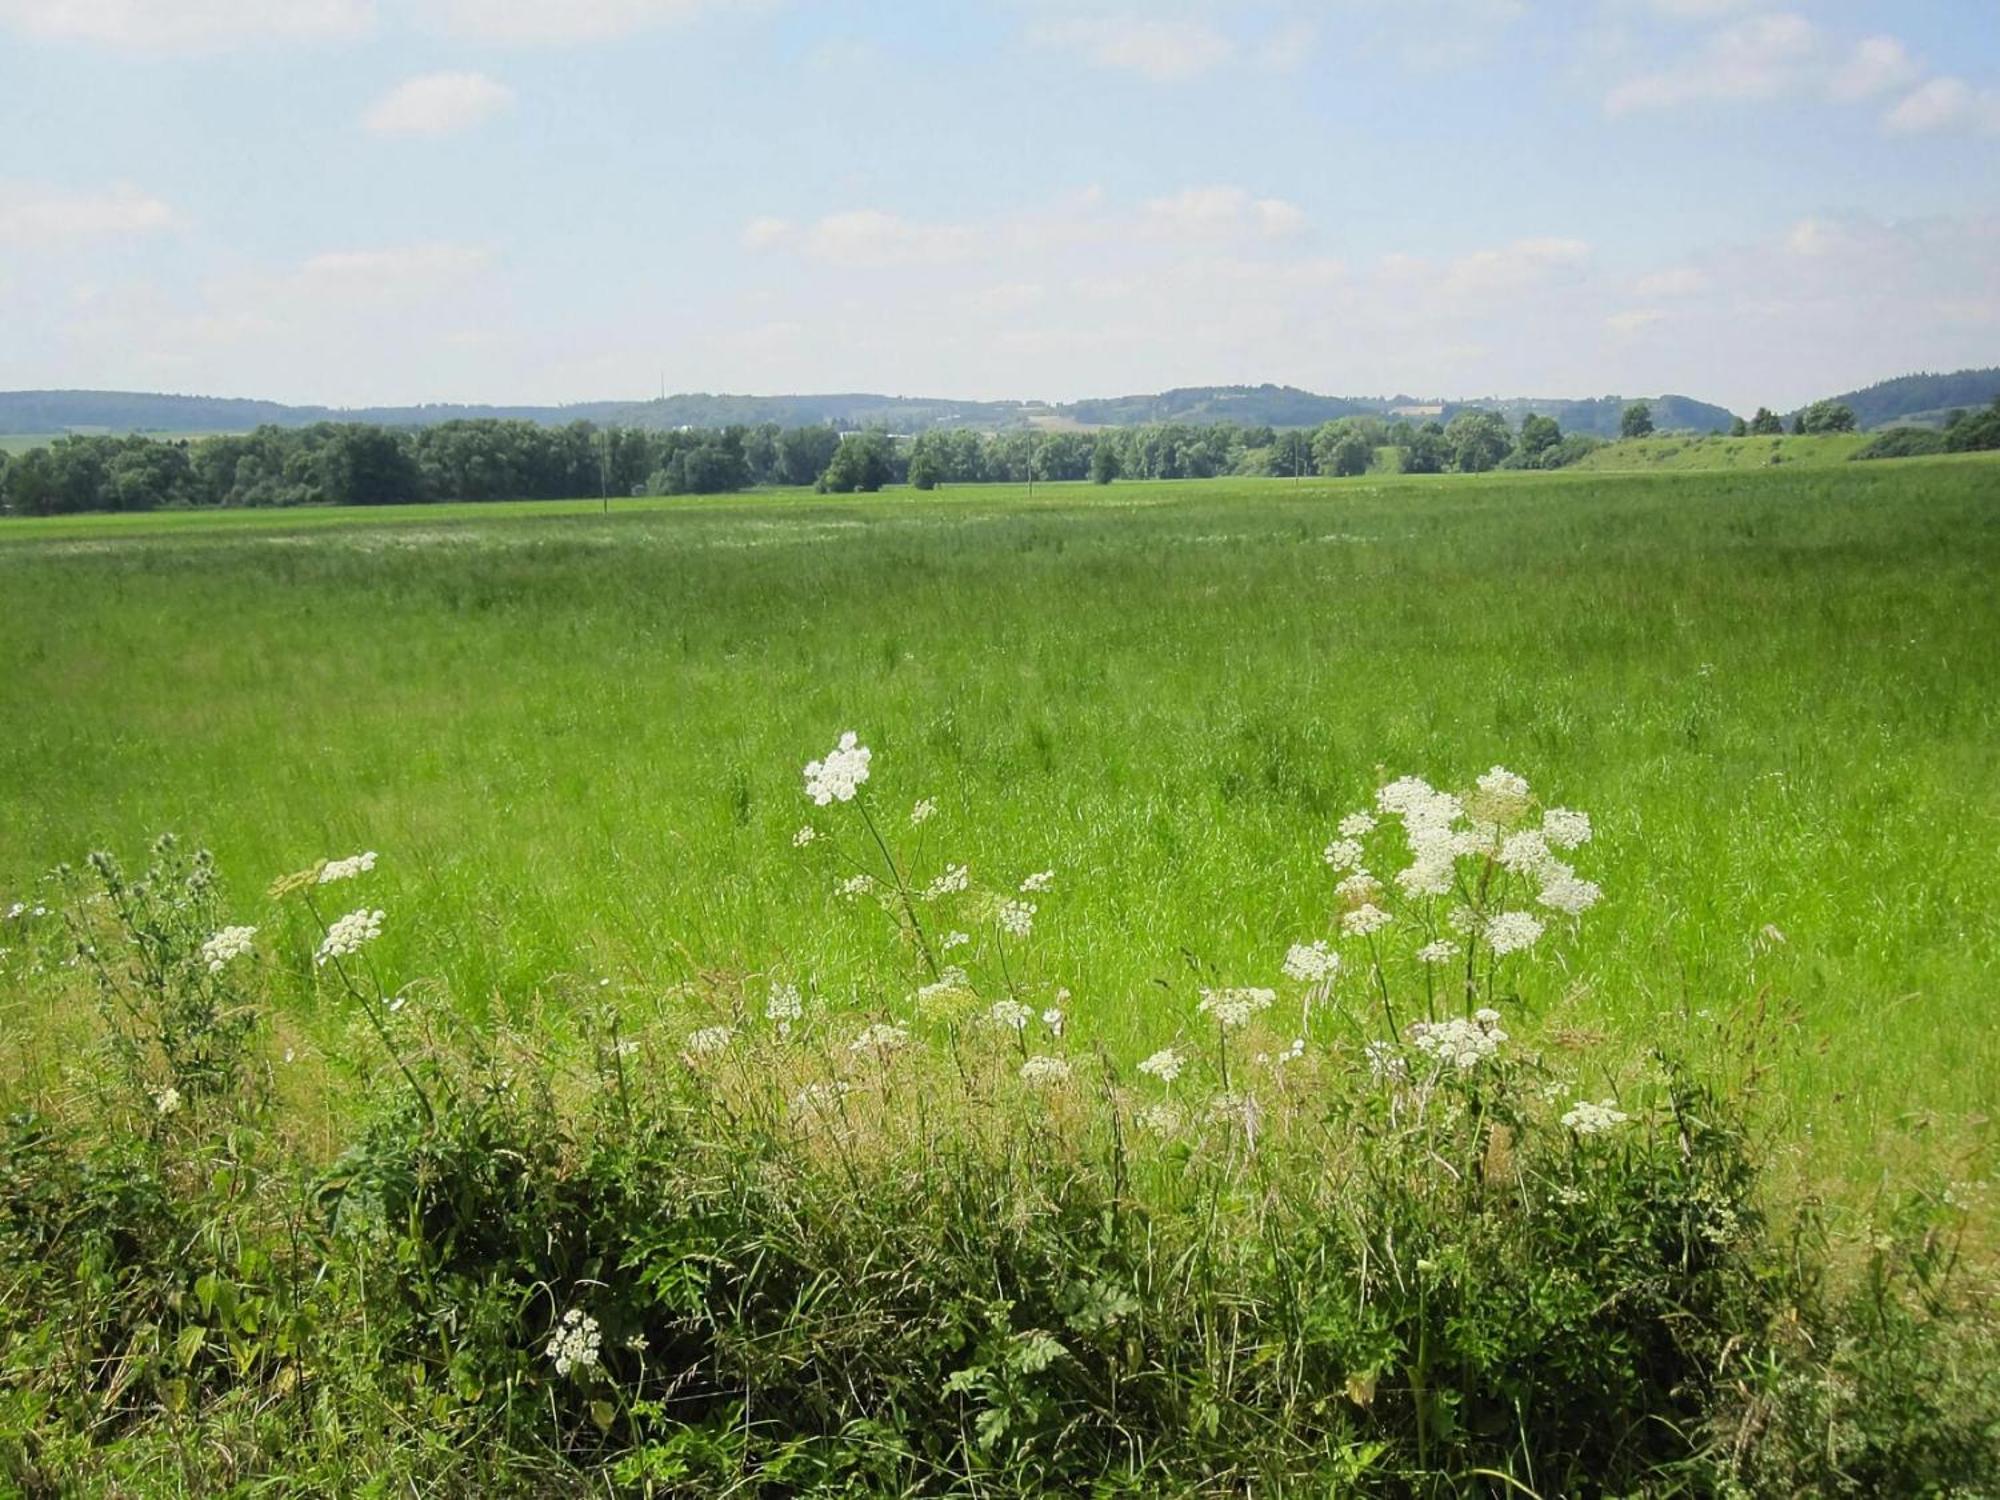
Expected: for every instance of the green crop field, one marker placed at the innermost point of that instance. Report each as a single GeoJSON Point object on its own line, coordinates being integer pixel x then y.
{"type": "Point", "coordinates": [1713, 452]}
{"type": "Point", "coordinates": [576, 738]}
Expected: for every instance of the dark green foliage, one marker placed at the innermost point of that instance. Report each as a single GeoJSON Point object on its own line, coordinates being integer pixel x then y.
{"type": "Point", "coordinates": [1923, 397]}
{"type": "Point", "coordinates": [1904, 442]}
{"type": "Point", "coordinates": [1637, 421]}
{"type": "Point", "coordinates": [1975, 433]}
{"type": "Point", "coordinates": [1824, 417]}
{"type": "Point", "coordinates": [1766, 423]}
{"type": "Point", "coordinates": [1538, 435]}
{"type": "Point", "coordinates": [1477, 441]}
{"type": "Point", "coordinates": [864, 462]}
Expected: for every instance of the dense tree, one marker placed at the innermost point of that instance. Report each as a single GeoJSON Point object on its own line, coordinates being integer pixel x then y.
{"type": "Point", "coordinates": [1478, 440]}
{"type": "Point", "coordinates": [1104, 463]}
{"type": "Point", "coordinates": [1739, 428]}
{"type": "Point", "coordinates": [1427, 451]}
{"type": "Point", "coordinates": [863, 462]}
{"type": "Point", "coordinates": [1979, 431]}
{"type": "Point", "coordinates": [1826, 416]}
{"type": "Point", "coordinates": [1766, 423]}
{"type": "Point", "coordinates": [924, 470]}
{"type": "Point", "coordinates": [804, 453]}
{"type": "Point", "coordinates": [1538, 436]}
{"type": "Point", "coordinates": [1637, 422]}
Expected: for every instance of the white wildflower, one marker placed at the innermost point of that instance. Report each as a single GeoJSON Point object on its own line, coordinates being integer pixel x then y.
{"type": "Point", "coordinates": [1486, 1015]}
{"type": "Point", "coordinates": [575, 1343]}
{"type": "Point", "coordinates": [839, 776]}
{"type": "Point", "coordinates": [880, 1040]}
{"type": "Point", "coordinates": [821, 1098]}
{"type": "Point", "coordinates": [346, 869]}
{"type": "Point", "coordinates": [1291, 1054]}
{"type": "Point", "coordinates": [923, 812]}
{"type": "Point", "coordinates": [1563, 891]}
{"type": "Point", "coordinates": [857, 885]}
{"type": "Point", "coordinates": [1343, 854]}
{"type": "Point", "coordinates": [346, 936]}
{"type": "Point", "coordinates": [396, 1003]}
{"type": "Point", "coordinates": [955, 940]}
{"type": "Point", "coordinates": [1502, 795]}
{"type": "Point", "coordinates": [954, 879]}
{"type": "Point", "coordinates": [1233, 1008]}
{"type": "Point", "coordinates": [230, 943]}
{"type": "Point", "coordinates": [1044, 1072]}
{"type": "Point", "coordinates": [1364, 919]}
{"type": "Point", "coordinates": [17, 910]}
{"type": "Point", "coordinates": [1010, 1014]}
{"type": "Point", "coordinates": [1165, 1065]}
{"type": "Point", "coordinates": [1443, 951]}
{"type": "Point", "coordinates": [1430, 871]}
{"type": "Point", "coordinates": [1594, 1119]}
{"type": "Point", "coordinates": [1160, 1118]}
{"type": "Point", "coordinates": [710, 1041]}
{"type": "Point", "coordinates": [1385, 1061]}
{"type": "Point", "coordinates": [1053, 1019]}
{"type": "Point", "coordinates": [1358, 889]}
{"type": "Point", "coordinates": [1565, 828]}
{"type": "Point", "coordinates": [1356, 825]}
{"type": "Point", "coordinates": [785, 1005]}
{"type": "Point", "coordinates": [1017, 918]}
{"type": "Point", "coordinates": [1524, 853]}
{"type": "Point", "coordinates": [1512, 931]}
{"type": "Point", "coordinates": [167, 1100]}
{"type": "Point", "coordinates": [806, 834]}
{"type": "Point", "coordinates": [1041, 880]}
{"type": "Point", "coordinates": [1458, 1044]}
{"type": "Point", "coordinates": [1311, 963]}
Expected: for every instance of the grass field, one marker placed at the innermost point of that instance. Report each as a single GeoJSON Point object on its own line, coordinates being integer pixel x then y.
{"type": "Point", "coordinates": [1712, 453]}
{"type": "Point", "coordinates": [576, 738]}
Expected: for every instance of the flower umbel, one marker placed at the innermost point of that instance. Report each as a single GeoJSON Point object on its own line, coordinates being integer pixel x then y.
{"type": "Point", "coordinates": [840, 775]}
{"type": "Point", "coordinates": [346, 936]}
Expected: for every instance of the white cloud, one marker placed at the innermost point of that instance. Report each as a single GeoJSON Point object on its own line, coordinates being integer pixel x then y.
{"type": "Point", "coordinates": [401, 264]}
{"type": "Point", "coordinates": [869, 240]}
{"type": "Point", "coordinates": [559, 21]}
{"type": "Point", "coordinates": [1511, 268]}
{"type": "Point", "coordinates": [1876, 65]}
{"type": "Point", "coordinates": [1759, 58]}
{"type": "Point", "coordinates": [437, 104]}
{"type": "Point", "coordinates": [1165, 50]}
{"type": "Point", "coordinates": [1637, 320]}
{"type": "Point", "coordinates": [34, 216]}
{"type": "Point", "coordinates": [765, 233]}
{"type": "Point", "coordinates": [1203, 212]}
{"type": "Point", "coordinates": [188, 25]}
{"type": "Point", "coordinates": [1680, 281]}
{"type": "Point", "coordinates": [1945, 104]}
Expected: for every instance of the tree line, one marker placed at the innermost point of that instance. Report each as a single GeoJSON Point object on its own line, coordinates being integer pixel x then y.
{"type": "Point", "coordinates": [350, 463]}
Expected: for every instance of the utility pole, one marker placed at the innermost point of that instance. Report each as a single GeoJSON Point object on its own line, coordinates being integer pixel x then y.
{"type": "Point", "coordinates": [604, 470]}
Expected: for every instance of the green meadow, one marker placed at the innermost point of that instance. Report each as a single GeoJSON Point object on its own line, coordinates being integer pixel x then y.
{"type": "Point", "coordinates": [575, 737]}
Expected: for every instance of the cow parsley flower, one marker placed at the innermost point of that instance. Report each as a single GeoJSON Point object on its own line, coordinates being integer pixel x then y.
{"type": "Point", "coordinates": [1430, 873]}
{"type": "Point", "coordinates": [1165, 1065]}
{"type": "Point", "coordinates": [857, 885]}
{"type": "Point", "coordinates": [167, 1101]}
{"type": "Point", "coordinates": [1054, 1020]}
{"type": "Point", "coordinates": [1364, 919]}
{"type": "Point", "coordinates": [1044, 1072]}
{"type": "Point", "coordinates": [1358, 889]}
{"type": "Point", "coordinates": [823, 1097]}
{"type": "Point", "coordinates": [710, 1041]}
{"type": "Point", "coordinates": [880, 1040]}
{"type": "Point", "coordinates": [954, 879]}
{"type": "Point", "coordinates": [1344, 854]}
{"type": "Point", "coordinates": [1311, 963]}
{"type": "Point", "coordinates": [575, 1343]}
{"type": "Point", "coordinates": [347, 935]}
{"type": "Point", "coordinates": [1565, 828]}
{"type": "Point", "coordinates": [1010, 1014]}
{"type": "Point", "coordinates": [953, 940]}
{"type": "Point", "coordinates": [230, 943]}
{"type": "Point", "coordinates": [840, 775]}
{"type": "Point", "coordinates": [1524, 853]}
{"type": "Point", "coordinates": [1502, 795]}
{"type": "Point", "coordinates": [1512, 931]}
{"type": "Point", "coordinates": [346, 869]}
{"type": "Point", "coordinates": [1458, 1043]}
{"type": "Point", "coordinates": [923, 812]}
{"type": "Point", "coordinates": [1443, 951]}
{"type": "Point", "coordinates": [1041, 880]}
{"type": "Point", "coordinates": [785, 1005]}
{"type": "Point", "coordinates": [1356, 826]}
{"type": "Point", "coordinates": [1017, 918]}
{"type": "Point", "coordinates": [1385, 1061]}
{"type": "Point", "coordinates": [1563, 891]}
{"type": "Point", "coordinates": [806, 834]}
{"type": "Point", "coordinates": [1159, 1118]}
{"type": "Point", "coordinates": [1594, 1119]}
{"type": "Point", "coordinates": [1236, 1007]}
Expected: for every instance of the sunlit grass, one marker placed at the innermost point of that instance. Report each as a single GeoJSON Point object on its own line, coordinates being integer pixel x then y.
{"type": "Point", "coordinates": [576, 739]}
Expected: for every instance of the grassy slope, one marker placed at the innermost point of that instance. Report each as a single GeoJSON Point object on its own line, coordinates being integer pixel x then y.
{"type": "Point", "coordinates": [1722, 453]}
{"type": "Point", "coordinates": [576, 739]}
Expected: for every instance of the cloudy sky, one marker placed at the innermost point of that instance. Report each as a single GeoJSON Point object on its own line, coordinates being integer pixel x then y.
{"type": "Point", "coordinates": [357, 201]}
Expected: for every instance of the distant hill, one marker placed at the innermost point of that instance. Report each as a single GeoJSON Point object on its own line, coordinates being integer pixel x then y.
{"type": "Point", "coordinates": [1923, 400]}
{"type": "Point", "coordinates": [42, 412]}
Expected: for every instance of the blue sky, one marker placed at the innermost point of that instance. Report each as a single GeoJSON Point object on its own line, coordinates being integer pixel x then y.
{"type": "Point", "coordinates": [357, 201]}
